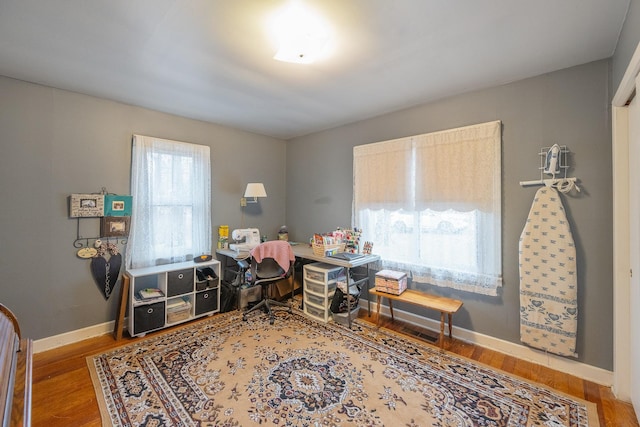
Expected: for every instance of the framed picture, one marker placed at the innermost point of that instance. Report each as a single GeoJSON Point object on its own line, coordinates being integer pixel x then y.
{"type": "Point", "coordinates": [115, 205]}
{"type": "Point", "coordinates": [114, 226]}
{"type": "Point", "coordinates": [86, 205]}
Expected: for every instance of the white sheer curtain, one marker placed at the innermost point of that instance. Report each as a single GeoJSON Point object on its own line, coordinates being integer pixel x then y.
{"type": "Point", "coordinates": [171, 209]}
{"type": "Point", "coordinates": [431, 204]}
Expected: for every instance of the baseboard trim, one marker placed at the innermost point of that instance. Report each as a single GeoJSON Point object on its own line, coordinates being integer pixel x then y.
{"type": "Point", "coordinates": [579, 369]}
{"type": "Point", "coordinates": [71, 337]}
{"type": "Point", "coordinates": [558, 363]}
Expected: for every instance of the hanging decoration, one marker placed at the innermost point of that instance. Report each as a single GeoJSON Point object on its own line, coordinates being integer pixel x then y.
{"type": "Point", "coordinates": [114, 212]}
{"type": "Point", "coordinates": [106, 271]}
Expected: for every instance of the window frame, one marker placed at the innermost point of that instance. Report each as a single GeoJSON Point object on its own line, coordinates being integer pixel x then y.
{"type": "Point", "coordinates": [148, 178]}
{"type": "Point", "coordinates": [485, 137]}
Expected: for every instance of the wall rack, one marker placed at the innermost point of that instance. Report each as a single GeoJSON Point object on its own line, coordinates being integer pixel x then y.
{"type": "Point", "coordinates": [86, 242]}
{"type": "Point", "coordinates": [562, 183]}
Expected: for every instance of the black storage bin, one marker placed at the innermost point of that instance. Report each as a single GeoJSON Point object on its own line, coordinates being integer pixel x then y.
{"type": "Point", "coordinates": [148, 317]}
{"type": "Point", "coordinates": [179, 282]}
{"type": "Point", "coordinates": [206, 278]}
{"type": "Point", "coordinates": [206, 301]}
{"type": "Point", "coordinates": [201, 282]}
{"type": "Point", "coordinates": [228, 297]}
{"type": "Point", "coordinates": [339, 302]}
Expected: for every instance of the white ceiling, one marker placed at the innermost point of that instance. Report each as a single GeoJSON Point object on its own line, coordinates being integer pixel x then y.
{"type": "Point", "coordinates": [212, 59]}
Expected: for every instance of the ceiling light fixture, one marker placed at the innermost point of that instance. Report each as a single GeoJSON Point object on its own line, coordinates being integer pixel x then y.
{"type": "Point", "coordinates": [302, 35]}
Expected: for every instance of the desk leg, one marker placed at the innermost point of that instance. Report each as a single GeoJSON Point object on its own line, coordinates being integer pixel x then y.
{"type": "Point", "coordinates": [301, 263]}
{"type": "Point", "coordinates": [442, 330]}
{"type": "Point", "coordinates": [293, 282]}
{"type": "Point", "coordinates": [348, 299]}
{"type": "Point", "coordinates": [367, 286]}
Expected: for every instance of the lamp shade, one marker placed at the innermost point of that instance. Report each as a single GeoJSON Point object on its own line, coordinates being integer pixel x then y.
{"type": "Point", "coordinates": [255, 189]}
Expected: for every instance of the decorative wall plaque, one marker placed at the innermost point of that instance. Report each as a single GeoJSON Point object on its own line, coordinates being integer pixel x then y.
{"type": "Point", "coordinates": [114, 226]}
{"type": "Point", "coordinates": [86, 205]}
{"type": "Point", "coordinates": [115, 205]}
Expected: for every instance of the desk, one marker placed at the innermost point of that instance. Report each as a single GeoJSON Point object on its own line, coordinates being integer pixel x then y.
{"type": "Point", "coordinates": [233, 254]}
{"type": "Point", "coordinates": [442, 304]}
{"type": "Point", "coordinates": [305, 251]}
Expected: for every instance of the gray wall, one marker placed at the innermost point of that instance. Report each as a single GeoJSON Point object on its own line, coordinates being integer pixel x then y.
{"type": "Point", "coordinates": [627, 43]}
{"type": "Point", "coordinates": [55, 143]}
{"type": "Point", "coordinates": [569, 107]}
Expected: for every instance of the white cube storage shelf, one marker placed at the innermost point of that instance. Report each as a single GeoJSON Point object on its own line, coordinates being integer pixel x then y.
{"type": "Point", "coordinates": [319, 280]}
{"type": "Point", "coordinates": [184, 296]}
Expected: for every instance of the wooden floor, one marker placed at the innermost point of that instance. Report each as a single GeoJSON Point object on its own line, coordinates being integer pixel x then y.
{"type": "Point", "coordinates": [63, 394]}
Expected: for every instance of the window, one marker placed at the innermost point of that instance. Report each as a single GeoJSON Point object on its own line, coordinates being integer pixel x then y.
{"type": "Point", "coordinates": [171, 208]}
{"type": "Point", "coordinates": [431, 204]}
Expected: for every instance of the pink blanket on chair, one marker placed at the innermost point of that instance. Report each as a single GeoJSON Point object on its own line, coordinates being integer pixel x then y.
{"type": "Point", "coordinates": [279, 250]}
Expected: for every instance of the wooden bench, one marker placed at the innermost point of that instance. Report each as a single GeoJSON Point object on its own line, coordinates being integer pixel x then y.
{"type": "Point", "coordinates": [16, 359]}
{"type": "Point", "coordinates": [444, 305]}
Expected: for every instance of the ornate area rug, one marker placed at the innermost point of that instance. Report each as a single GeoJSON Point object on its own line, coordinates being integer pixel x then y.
{"type": "Point", "coordinates": [298, 372]}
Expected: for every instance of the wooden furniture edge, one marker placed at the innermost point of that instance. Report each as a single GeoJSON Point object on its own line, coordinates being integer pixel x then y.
{"type": "Point", "coordinates": [444, 305]}
{"type": "Point", "coordinates": [122, 308]}
{"type": "Point", "coordinates": [21, 369]}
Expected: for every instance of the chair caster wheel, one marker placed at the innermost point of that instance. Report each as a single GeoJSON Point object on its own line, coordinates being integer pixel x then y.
{"type": "Point", "coordinates": [271, 321]}
{"type": "Point", "coordinates": [244, 318]}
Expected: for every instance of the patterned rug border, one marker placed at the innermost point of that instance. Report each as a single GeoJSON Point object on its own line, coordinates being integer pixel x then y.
{"type": "Point", "coordinates": [356, 334]}
{"type": "Point", "coordinates": [591, 406]}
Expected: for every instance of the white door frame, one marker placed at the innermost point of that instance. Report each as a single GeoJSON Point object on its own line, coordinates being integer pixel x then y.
{"type": "Point", "coordinates": [621, 227]}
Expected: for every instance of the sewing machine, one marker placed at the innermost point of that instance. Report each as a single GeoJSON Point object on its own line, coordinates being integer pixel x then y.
{"type": "Point", "coordinates": [245, 238]}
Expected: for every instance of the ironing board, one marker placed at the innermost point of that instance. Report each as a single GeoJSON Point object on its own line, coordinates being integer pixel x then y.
{"type": "Point", "coordinates": [548, 280]}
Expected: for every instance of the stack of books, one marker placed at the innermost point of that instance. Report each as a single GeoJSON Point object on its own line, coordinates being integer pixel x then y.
{"type": "Point", "coordinates": [150, 293]}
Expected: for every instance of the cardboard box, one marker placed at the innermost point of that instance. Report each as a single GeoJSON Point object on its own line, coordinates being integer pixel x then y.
{"type": "Point", "coordinates": [282, 288]}
{"type": "Point", "coordinates": [391, 282]}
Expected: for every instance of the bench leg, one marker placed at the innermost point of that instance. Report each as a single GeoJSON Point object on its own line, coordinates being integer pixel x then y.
{"type": "Point", "coordinates": [379, 300]}
{"type": "Point", "coordinates": [450, 327]}
{"type": "Point", "coordinates": [391, 308]}
{"type": "Point", "coordinates": [442, 330]}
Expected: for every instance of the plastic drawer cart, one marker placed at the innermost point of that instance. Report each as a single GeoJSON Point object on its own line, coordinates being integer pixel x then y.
{"type": "Point", "coordinates": [319, 280]}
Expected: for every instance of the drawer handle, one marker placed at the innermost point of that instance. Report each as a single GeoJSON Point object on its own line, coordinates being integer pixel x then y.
{"type": "Point", "coordinates": [150, 310]}
{"type": "Point", "coordinates": [180, 276]}
{"type": "Point", "coordinates": [205, 296]}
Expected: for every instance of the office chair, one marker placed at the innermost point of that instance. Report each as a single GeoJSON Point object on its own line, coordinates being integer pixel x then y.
{"type": "Point", "coordinates": [270, 262]}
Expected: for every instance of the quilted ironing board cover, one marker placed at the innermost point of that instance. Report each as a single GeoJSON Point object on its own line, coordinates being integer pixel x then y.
{"type": "Point", "coordinates": [548, 280]}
